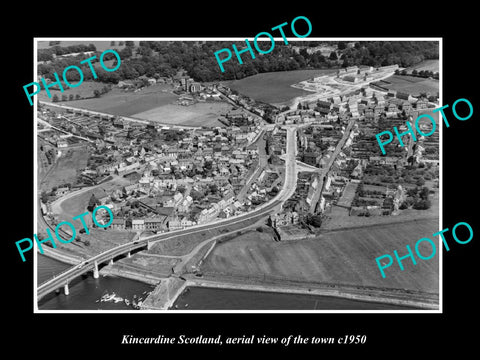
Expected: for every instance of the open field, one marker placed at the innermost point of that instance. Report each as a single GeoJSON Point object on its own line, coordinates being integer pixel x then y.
{"type": "Point", "coordinates": [77, 204]}
{"type": "Point", "coordinates": [181, 245]}
{"type": "Point", "coordinates": [341, 257]}
{"type": "Point", "coordinates": [430, 65]}
{"type": "Point", "coordinates": [65, 168]}
{"type": "Point", "coordinates": [122, 103]}
{"type": "Point", "coordinates": [337, 218]}
{"type": "Point", "coordinates": [86, 89]}
{"type": "Point", "coordinates": [199, 114]}
{"type": "Point", "coordinates": [411, 84]}
{"type": "Point", "coordinates": [275, 87]}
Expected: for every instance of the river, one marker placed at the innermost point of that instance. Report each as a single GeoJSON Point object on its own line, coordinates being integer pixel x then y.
{"type": "Point", "coordinates": [200, 298]}
{"type": "Point", "coordinates": [85, 293]}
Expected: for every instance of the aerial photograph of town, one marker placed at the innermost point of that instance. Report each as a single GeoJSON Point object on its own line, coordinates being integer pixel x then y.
{"type": "Point", "coordinates": [260, 188]}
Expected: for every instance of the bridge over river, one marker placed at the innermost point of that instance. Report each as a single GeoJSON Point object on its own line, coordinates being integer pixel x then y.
{"type": "Point", "coordinates": [109, 256]}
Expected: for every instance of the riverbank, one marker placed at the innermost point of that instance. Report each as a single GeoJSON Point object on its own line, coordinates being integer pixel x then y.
{"type": "Point", "coordinates": [397, 297]}
{"type": "Point", "coordinates": [62, 256]}
{"type": "Point", "coordinates": [168, 290]}
{"type": "Point", "coordinates": [109, 270]}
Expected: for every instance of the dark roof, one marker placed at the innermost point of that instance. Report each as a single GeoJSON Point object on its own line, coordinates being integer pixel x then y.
{"type": "Point", "coordinates": [165, 211]}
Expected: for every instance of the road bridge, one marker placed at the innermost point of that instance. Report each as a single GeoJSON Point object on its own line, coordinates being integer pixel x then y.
{"type": "Point", "coordinates": [93, 264]}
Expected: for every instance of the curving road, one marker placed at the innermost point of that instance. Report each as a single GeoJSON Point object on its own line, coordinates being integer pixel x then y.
{"type": "Point", "coordinates": [88, 265]}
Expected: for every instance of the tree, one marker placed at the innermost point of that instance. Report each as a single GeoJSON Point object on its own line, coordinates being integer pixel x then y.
{"type": "Point", "coordinates": [92, 203]}
{"type": "Point", "coordinates": [333, 56]}
{"type": "Point", "coordinates": [420, 182]}
{"type": "Point", "coordinates": [196, 195]}
{"type": "Point", "coordinates": [44, 197]}
{"type": "Point", "coordinates": [112, 43]}
{"type": "Point", "coordinates": [70, 97]}
{"type": "Point", "coordinates": [424, 192]}
{"type": "Point", "coordinates": [77, 97]}
{"type": "Point", "coordinates": [55, 98]}
{"type": "Point", "coordinates": [314, 220]}
{"type": "Point", "coordinates": [422, 205]}
{"type": "Point", "coordinates": [96, 93]}
{"type": "Point", "coordinates": [342, 45]}
{"type": "Point", "coordinates": [213, 188]}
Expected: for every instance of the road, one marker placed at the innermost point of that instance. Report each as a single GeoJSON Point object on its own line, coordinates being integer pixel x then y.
{"type": "Point", "coordinates": [286, 191]}
{"type": "Point", "coordinates": [324, 172]}
{"type": "Point", "coordinates": [63, 131]}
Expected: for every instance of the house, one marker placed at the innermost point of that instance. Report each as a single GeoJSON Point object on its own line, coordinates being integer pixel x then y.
{"type": "Point", "coordinates": [62, 191]}
{"type": "Point", "coordinates": [62, 143]}
{"type": "Point", "coordinates": [311, 158]}
{"type": "Point", "coordinates": [378, 110]}
{"type": "Point", "coordinates": [421, 104]}
{"type": "Point", "coordinates": [392, 93]}
{"type": "Point", "coordinates": [350, 78]}
{"type": "Point", "coordinates": [406, 106]}
{"type": "Point", "coordinates": [156, 223]}
{"type": "Point", "coordinates": [392, 107]}
{"type": "Point", "coordinates": [138, 224]}
{"type": "Point", "coordinates": [403, 96]}
{"type": "Point", "coordinates": [118, 224]}
{"type": "Point", "coordinates": [195, 87]}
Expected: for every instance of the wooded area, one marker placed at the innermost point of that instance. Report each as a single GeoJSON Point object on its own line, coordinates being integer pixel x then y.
{"type": "Point", "coordinates": [165, 58]}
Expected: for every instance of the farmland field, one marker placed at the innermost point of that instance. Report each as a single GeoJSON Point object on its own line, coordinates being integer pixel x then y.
{"type": "Point", "coordinates": [275, 87]}
{"type": "Point", "coordinates": [411, 84]}
{"type": "Point", "coordinates": [342, 257]}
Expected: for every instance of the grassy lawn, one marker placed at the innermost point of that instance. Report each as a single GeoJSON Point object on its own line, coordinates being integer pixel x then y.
{"type": "Point", "coordinates": [200, 114]}
{"type": "Point", "coordinates": [412, 84]}
{"type": "Point", "coordinates": [430, 65]}
{"type": "Point", "coordinates": [181, 245]}
{"type": "Point", "coordinates": [77, 204]}
{"type": "Point", "coordinates": [100, 240]}
{"type": "Point", "coordinates": [86, 89]}
{"type": "Point", "coordinates": [150, 263]}
{"type": "Point", "coordinates": [275, 87]}
{"type": "Point", "coordinates": [123, 103]}
{"type": "Point", "coordinates": [340, 257]}
{"type": "Point", "coordinates": [65, 170]}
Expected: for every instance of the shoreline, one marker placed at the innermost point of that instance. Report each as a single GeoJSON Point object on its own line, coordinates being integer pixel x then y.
{"type": "Point", "coordinates": [339, 292]}
{"type": "Point", "coordinates": [351, 292]}
{"type": "Point", "coordinates": [66, 258]}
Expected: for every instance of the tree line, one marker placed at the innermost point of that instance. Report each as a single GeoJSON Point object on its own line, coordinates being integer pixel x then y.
{"type": "Point", "coordinates": [166, 58]}
{"type": "Point", "coordinates": [48, 54]}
